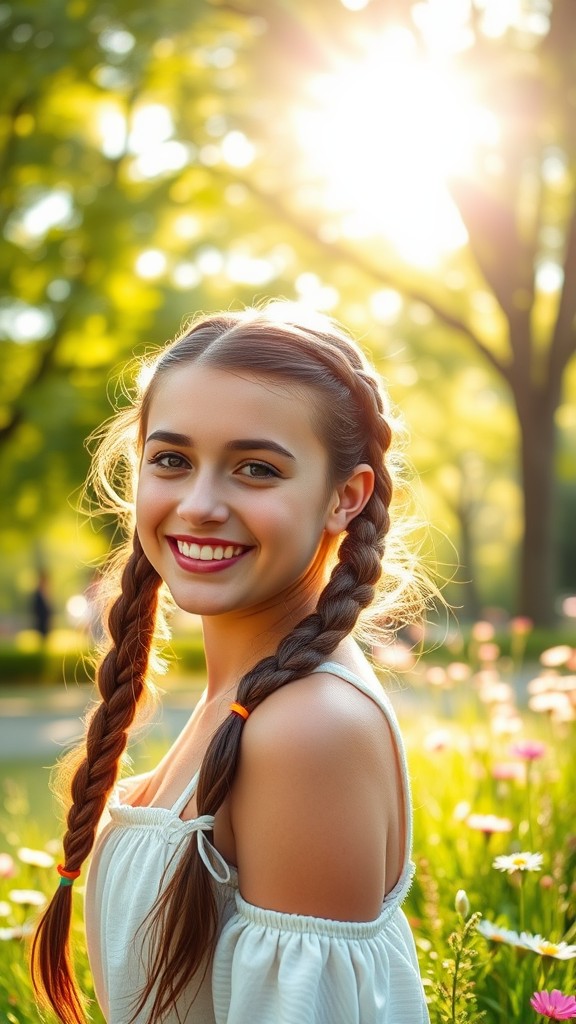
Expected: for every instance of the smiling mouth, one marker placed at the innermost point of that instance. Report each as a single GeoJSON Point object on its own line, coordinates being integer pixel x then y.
{"type": "Point", "coordinates": [210, 552]}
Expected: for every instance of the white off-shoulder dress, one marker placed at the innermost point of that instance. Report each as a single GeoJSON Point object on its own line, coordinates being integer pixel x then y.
{"type": "Point", "coordinates": [268, 967]}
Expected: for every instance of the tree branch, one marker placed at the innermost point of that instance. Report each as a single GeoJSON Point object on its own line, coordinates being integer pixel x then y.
{"type": "Point", "coordinates": [381, 276]}
{"type": "Point", "coordinates": [7, 156]}
{"type": "Point", "coordinates": [40, 371]}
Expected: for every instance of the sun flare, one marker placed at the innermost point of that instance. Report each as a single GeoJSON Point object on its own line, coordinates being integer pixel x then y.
{"type": "Point", "coordinates": [381, 138]}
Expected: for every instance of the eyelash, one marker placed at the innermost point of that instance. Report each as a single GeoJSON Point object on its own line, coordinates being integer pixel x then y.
{"type": "Point", "coordinates": [157, 460]}
{"type": "Point", "coordinates": [270, 474]}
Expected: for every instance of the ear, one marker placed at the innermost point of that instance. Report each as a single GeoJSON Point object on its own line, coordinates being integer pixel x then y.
{"type": "Point", "coordinates": [349, 498]}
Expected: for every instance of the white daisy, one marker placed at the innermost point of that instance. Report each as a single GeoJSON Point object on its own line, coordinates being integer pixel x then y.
{"type": "Point", "coordinates": [21, 931]}
{"type": "Point", "coordinates": [494, 933]}
{"type": "Point", "coordinates": [27, 897]}
{"type": "Point", "coordinates": [518, 862]}
{"type": "Point", "coordinates": [38, 858]}
{"type": "Point", "coordinates": [558, 950]}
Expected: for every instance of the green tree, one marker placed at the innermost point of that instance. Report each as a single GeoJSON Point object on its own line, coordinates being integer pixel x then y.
{"type": "Point", "coordinates": [150, 168]}
{"type": "Point", "coordinates": [518, 206]}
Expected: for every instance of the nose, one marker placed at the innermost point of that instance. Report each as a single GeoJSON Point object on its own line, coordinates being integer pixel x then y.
{"type": "Point", "coordinates": [203, 501]}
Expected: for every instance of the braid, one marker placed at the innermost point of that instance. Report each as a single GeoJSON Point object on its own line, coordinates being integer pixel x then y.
{"type": "Point", "coordinates": [121, 681]}
{"type": "Point", "coordinates": [350, 589]}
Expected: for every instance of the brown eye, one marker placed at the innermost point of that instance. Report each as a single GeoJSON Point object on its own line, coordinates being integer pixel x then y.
{"type": "Point", "coordinates": [259, 471]}
{"type": "Point", "coordinates": [169, 460]}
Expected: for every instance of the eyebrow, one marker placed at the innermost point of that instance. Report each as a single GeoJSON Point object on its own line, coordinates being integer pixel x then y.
{"type": "Point", "coordinates": [240, 445]}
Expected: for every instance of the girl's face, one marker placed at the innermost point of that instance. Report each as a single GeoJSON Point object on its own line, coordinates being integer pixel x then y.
{"type": "Point", "coordinates": [233, 498]}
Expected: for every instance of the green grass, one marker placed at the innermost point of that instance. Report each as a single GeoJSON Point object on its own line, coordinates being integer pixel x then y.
{"type": "Point", "coordinates": [456, 738]}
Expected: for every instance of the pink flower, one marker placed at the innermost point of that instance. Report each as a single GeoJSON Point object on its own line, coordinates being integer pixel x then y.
{"type": "Point", "coordinates": [396, 656]}
{"type": "Point", "coordinates": [482, 632]}
{"type": "Point", "coordinates": [488, 651]}
{"type": "Point", "coordinates": [489, 823]}
{"type": "Point", "coordinates": [521, 625]}
{"type": "Point", "coordinates": [529, 750]}
{"type": "Point", "coordinates": [508, 770]}
{"type": "Point", "coordinates": [458, 671]}
{"type": "Point", "coordinates": [437, 676]}
{"type": "Point", "coordinates": [436, 740]}
{"type": "Point", "coordinates": [7, 866]}
{"type": "Point", "coordinates": [554, 1004]}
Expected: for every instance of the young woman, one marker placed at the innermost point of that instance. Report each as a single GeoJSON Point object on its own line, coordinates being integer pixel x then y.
{"type": "Point", "coordinates": [257, 874]}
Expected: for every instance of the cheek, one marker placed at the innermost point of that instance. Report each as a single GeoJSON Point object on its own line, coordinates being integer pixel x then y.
{"type": "Point", "coordinates": [298, 513]}
{"type": "Point", "coordinates": [148, 502]}
{"type": "Point", "coordinates": [141, 502]}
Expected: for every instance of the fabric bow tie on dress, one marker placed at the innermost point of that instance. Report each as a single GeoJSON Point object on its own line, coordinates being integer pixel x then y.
{"type": "Point", "coordinates": [212, 860]}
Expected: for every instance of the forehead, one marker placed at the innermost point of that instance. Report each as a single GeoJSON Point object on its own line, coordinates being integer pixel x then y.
{"type": "Point", "coordinates": [206, 402]}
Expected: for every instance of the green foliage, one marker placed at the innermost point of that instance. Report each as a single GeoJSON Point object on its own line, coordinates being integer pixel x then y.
{"type": "Point", "coordinates": [455, 998]}
{"type": "Point", "coordinates": [188, 654]}
{"type": "Point", "coordinates": [42, 664]}
{"type": "Point", "coordinates": [52, 667]}
{"type": "Point", "coordinates": [26, 826]}
{"type": "Point", "coordinates": [228, 206]}
{"type": "Point", "coordinates": [465, 765]}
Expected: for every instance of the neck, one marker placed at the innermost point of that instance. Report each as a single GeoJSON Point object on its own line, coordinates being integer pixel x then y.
{"type": "Point", "coordinates": [234, 643]}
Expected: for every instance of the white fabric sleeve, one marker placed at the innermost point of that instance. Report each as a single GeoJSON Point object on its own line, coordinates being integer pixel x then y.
{"type": "Point", "coordinates": [273, 968]}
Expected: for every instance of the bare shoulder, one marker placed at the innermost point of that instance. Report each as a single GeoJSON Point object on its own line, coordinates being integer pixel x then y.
{"type": "Point", "coordinates": [316, 717]}
{"type": "Point", "coordinates": [317, 801]}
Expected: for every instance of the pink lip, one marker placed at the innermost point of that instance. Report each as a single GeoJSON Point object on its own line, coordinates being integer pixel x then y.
{"type": "Point", "coordinates": [198, 565]}
{"type": "Point", "coordinates": [212, 541]}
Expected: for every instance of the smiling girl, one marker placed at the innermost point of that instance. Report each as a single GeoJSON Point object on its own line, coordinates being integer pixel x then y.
{"type": "Point", "coordinates": [257, 874]}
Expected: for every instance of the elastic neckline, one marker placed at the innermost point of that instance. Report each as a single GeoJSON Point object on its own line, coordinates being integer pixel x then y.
{"type": "Point", "coordinates": [176, 808]}
{"type": "Point", "coordinates": [350, 930]}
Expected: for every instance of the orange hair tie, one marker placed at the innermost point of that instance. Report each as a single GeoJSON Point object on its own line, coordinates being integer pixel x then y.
{"type": "Point", "coordinates": [238, 709]}
{"type": "Point", "coordinates": [67, 877]}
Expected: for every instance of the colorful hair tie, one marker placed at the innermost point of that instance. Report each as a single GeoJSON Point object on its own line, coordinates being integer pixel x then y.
{"type": "Point", "coordinates": [67, 877]}
{"type": "Point", "coordinates": [238, 709]}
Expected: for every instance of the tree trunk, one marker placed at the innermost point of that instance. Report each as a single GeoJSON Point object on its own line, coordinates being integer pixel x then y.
{"type": "Point", "coordinates": [471, 606]}
{"type": "Point", "coordinates": [538, 551]}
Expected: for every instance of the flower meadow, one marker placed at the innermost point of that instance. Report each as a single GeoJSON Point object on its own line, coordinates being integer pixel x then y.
{"type": "Point", "coordinates": [492, 753]}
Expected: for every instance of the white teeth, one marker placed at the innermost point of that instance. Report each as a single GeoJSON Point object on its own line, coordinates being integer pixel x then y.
{"type": "Point", "coordinates": [206, 553]}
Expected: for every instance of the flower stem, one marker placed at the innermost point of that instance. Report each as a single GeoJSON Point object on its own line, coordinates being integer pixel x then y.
{"type": "Point", "coordinates": [522, 904]}
{"type": "Point", "coordinates": [455, 982]}
{"type": "Point", "coordinates": [529, 803]}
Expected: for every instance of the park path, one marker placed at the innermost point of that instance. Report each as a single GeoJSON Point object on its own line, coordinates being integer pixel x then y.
{"type": "Point", "coordinates": [38, 723]}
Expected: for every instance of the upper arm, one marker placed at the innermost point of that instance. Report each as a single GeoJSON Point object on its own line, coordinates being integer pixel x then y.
{"type": "Point", "coordinates": [315, 803]}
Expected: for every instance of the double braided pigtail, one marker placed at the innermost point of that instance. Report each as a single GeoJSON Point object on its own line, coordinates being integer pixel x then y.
{"type": "Point", "coordinates": [121, 680]}
{"type": "Point", "coordinates": [186, 913]}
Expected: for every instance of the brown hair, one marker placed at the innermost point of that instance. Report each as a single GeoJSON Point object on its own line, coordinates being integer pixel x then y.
{"type": "Point", "coordinates": [351, 422]}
